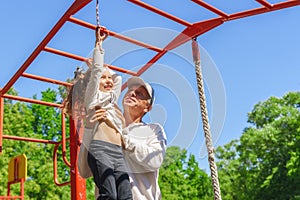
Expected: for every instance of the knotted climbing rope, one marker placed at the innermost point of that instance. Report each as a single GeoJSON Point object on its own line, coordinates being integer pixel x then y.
{"type": "Point", "coordinates": [206, 127]}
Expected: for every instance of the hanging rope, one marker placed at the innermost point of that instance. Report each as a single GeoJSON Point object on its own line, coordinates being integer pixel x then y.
{"type": "Point", "coordinates": [206, 128]}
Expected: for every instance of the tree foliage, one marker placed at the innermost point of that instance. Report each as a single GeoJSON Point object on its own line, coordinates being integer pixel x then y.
{"type": "Point", "coordinates": [39, 122]}
{"type": "Point", "coordinates": [264, 163]}
{"type": "Point", "coordinates": [181, 178]}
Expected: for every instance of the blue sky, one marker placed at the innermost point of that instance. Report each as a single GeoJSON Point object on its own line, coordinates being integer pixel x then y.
{"type": "Point", "coordinates": [244, 61]}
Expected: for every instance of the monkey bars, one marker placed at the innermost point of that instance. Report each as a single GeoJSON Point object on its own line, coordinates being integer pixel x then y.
{"type": "Point", "coordinates": [191, 30]}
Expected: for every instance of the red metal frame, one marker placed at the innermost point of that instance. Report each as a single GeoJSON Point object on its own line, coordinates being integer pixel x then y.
{"type": "Point", "coordinates": [17, 179]}
{"type": "Point", "coordinates": [1, 121]}
{"type": "Point", "coordinates": [22, 191]}
{"type": "Point", "coordinates": [192, 30]}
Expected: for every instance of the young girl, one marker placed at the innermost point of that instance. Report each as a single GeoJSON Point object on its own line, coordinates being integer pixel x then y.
{"type": "Point", "coordinates": [103, 138]}
{"type": "Point", "coordinates": [105, 157]}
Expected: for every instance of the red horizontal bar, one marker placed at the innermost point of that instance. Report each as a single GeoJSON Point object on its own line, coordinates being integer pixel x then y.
{"type": "Point", "coordinates": [80, 58]}
{"type": "Point", "coordinates": [127, 39]}
{"type": "Point", "coordinates": [114, 34]}
{"type": "Point", "coordinates": [147, 66]}
{"type": "Point", "coordinates": [121, 70]}
{"type": "Point", "coordinates": [257, 11]}
{"type": "Point", "coordinates": [211, 8]}
{"type": "Point", "coordinates": [160, 12]}
{"type": "Point", "coordinates": [10, 137]}
{"type": "Point", "coordinates": [63, 53]}
{"type": "Point", "coordinates": [8, 96]}
{"type": "Point", "coordinates": [82, 23]}
{"type": "Point", "coordinates": [265, 3]}
{"type": "Point", "coordinates": [40, 78]}
{"type": "Point", "coordinates": [10, 197]}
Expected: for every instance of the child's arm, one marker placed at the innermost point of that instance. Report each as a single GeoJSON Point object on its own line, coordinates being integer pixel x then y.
{"type": "Point", "coordinates": [96, 73]}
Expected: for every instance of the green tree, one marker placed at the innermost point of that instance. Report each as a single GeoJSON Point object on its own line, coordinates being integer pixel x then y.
{"type": "Point", "coordinates": [264, 163]}
{"type": "Point", "coordinates": [181, 178]}
{"type": "Point", "coordinates": [33, 121]}
{"type": "Point", "coordinates": [228, 173]}
{"type": "Point", "coordinates": [15, 124]}
{"type": "Point", "coordinates": [41, 122]}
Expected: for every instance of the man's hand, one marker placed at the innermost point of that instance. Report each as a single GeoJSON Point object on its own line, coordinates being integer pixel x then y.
{"type": "Point", "coordinates": [100, 115]}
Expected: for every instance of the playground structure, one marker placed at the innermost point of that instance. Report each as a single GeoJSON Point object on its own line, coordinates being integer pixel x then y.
{"type": "Point", "coordinates": [190, 32]}
{"type": "Point", "coordinates": [17, 173]}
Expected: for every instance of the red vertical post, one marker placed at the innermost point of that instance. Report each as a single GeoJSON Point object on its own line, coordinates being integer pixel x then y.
{"type": "Point", "coordinates": [8, 188]}
{"type": "Point", "coordinates": [78, 186]}
{"type": "Point", "coordinates": [22, 190]}
{"type": "Point", "coordinates": [1, 121]}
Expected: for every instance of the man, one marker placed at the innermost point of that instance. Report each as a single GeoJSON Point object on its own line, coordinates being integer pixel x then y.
{"type": "Point", "coordinates": [144, 144]}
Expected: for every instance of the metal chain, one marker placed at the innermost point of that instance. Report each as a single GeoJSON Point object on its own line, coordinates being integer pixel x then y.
{"type": "Point", "coordinates": [97, 13]}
